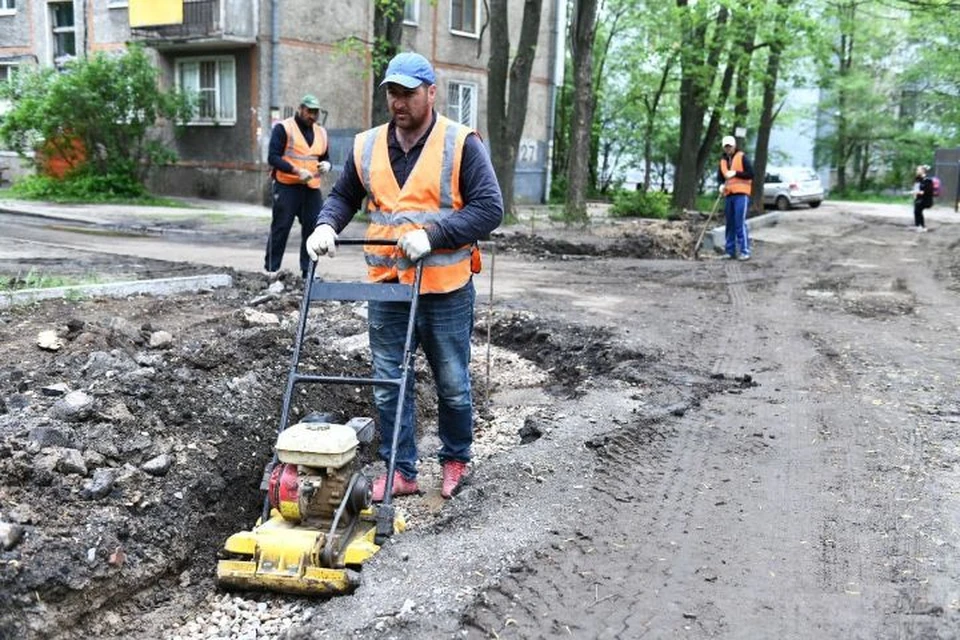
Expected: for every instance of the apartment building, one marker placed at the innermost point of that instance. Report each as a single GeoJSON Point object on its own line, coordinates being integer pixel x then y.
{"type": "Point", "coordinates": [250, 61]}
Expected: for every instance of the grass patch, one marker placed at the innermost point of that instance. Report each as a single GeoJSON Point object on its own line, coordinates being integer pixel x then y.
{"type": "Point", "coordinates": [872, 196]}
{"type": "Point", "coordinates": [86, 190]}
{"type": "Point", "coordinates": [37, 280]}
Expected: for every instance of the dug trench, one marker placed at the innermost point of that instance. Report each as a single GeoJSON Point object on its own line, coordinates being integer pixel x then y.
{"type": "Point", "coordinates": [135, 446]}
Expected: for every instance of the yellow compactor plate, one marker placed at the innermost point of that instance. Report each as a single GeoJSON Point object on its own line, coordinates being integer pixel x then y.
{"type": "Point", "coordinates": [281, 556]}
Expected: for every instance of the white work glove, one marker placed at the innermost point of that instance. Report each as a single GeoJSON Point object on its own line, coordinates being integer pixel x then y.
{"type": "Point", "coordinates": [323, 167]}
{"type": "Point", "coordinates": [415, 244]}
{"type": "Point", "coordinates": [730, 174]}
{"type": "Point", "coordinates": [305, 176]}
{"type": "Point", "coordinates": [323, 241]}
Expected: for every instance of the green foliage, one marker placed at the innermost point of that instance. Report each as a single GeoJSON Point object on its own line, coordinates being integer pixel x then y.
{"type": "Point", "coordinates": [87, 187]}
{"type": "Point", "coordinates": [109, 103]}
{"type": "Point", "coordinates": [34, 279]}
{"type": "Point", "coordinates": [639, 204]}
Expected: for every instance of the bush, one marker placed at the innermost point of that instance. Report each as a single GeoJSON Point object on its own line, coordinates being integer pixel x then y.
{"type": "Point", "coordinates": [80, 187]}
{"type": "Point", "coordinates": [93, 122]}
{"type": "Point", "coordinates": [639, 204]}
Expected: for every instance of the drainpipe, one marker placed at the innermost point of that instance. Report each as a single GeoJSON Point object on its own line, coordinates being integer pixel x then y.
{"type": "Point", "coordinates": [274, 61]}
{"type": "Point", "coordinates": [556, 79]}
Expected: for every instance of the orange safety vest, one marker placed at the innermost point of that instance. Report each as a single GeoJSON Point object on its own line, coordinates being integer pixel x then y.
{"type": "Point", "coordinates": [430, 194]}
{"type": "Point", "coordinates": [301, 155]}
{"type": "Point", "coordinates": [736, 185]}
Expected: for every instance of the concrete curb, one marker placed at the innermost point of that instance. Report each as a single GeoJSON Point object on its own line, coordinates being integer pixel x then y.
{"type": "Point", "coordinates": [159, 287]}
{"type": "Point", "coordinates": [715, 238]}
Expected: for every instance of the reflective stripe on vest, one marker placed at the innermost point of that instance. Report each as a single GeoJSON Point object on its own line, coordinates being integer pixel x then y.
{"type": "Point", "coordinates": [301, 155]}
{"type": "Point", "coordinates": [736, 185]}
{"type": "Point", "coordinates": [430, 194]}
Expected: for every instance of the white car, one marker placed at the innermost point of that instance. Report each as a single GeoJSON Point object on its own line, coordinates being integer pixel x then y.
{"type": "Point", "coordinates": [786, 187]}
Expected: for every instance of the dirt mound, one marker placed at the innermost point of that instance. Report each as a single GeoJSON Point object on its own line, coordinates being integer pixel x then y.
{"type": "Point", "coordinates": [634, 238]}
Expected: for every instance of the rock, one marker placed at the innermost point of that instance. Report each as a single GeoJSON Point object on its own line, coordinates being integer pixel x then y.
{"type": "Point", "coordinates": [276, 287]}
{"type": "Point", "coordinates": [135, 443]}
{"type": "Point", "coordinates": [55, 436]}
{"type": "Point", "coordinates": [103, 364]}
{"type": "Point", "coordinates": [252, 317]}
{"type": "Point", "coordinates": [45, 464]}
{"type": "Point", "coordinates": [148, 359]}
{"type": "Point", "coordinates": [529, 432]}
{"type": "Point", "coordinates": [160, 340]}
{"type": "Point", "coordinates": [10, 535]}
{"type": "Point", "coordinates": [17, 402]}
{"type": "Point", "coordinates": [123, 327]}
{"type": "Point", "coordinates": [117, 558]}
{"type": "Point", "coordinates": [48, 340]}
{"type": "Point", "coordinates": [55, 390]}
{"type": "Point", "coordinates": [117, 412]}
{"type": "Point", "coordinates": [76, 406]}
{"type": "Point", "coordinates": [93, 459]}
{"type": "Point", "coordinates": [71, 462]}
{"type": "Point", "coordinates": [244, 384]}
{"type": "Point", "coordinates": [75, 325]}
{"type": "Point", "coordinates": [158, 466]}
{"type": "Point", "coordinates": [100, 485]}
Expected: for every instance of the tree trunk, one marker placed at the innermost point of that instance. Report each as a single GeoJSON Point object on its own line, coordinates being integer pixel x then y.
{"type": "Point", "coordinates": [652, 106]}
{"type": "Point", "coordinates": [582, 29]}
{"type": "Point", "coordinates": [767, 113]}
{"type": "Point", "coordinates": [698, 63]}
{"type": "Point", "coordinates": [387, 32]}
{"type": "Point", "coordinates": [507, 92]}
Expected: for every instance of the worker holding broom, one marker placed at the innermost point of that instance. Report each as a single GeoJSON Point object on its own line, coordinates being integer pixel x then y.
{"type": "Point", "coordinates": [430, 185]}
{"type": "Point", "coordinates": [736, 181]}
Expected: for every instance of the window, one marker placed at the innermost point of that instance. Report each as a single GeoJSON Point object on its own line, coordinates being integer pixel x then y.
{"type": "Point", "coordinates": [212, 81]}
{"type": "Point", "coordinates": [63, 32]}
{"type": "Point", "coordinates": [464, 16]}
{"type": "Point", "coordinates": [411, 12]}
{"type": "Point", "coordinates": [462, 103]}
{"type": "Point", "coordinates": [8, 7]}
{"type": "Point", "coordinates": [6, 74]}
{"type": "Point", "coordinates": [6, 71]}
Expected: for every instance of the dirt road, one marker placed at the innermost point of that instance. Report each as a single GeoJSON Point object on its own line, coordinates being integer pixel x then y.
{"type": "Point", "coordinates": [704, 449]}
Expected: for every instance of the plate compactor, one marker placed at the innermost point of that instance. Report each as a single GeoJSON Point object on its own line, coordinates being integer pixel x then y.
{"type": "Point", "coordinates": [318, 525]}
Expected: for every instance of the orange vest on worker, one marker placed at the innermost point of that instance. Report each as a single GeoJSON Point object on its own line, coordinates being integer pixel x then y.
{"type": "Point", "coordinates": [430, 194]}
{"type": "Point", "coordinates": [302, 155]}
{"type": "Point", "coordinates": [736, 185]}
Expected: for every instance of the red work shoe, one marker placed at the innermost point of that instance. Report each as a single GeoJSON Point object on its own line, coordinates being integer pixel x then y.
{"type": "Point", "coordinates": [401, 486]}
{"type": "Point", "coordinates": [453, 474]}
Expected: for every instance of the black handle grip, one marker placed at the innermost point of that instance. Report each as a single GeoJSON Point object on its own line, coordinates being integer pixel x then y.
{"type": "Point", "coordinates": [384, 242]}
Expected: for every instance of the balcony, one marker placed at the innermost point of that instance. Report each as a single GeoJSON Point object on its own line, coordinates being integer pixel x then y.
{"type": "Point", "coordinates": [206, 23]}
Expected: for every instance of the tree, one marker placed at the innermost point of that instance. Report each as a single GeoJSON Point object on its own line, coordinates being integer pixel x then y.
{"type": "Point", "coordinates": [387, 33]}
{"type": "Point", "coordinates": [700, 57]}
{"type": "Point", "coordinates": [582, 30]}
{"type": "Point", "coordinates": [506, 115]}
{"type": "Point", "coordinates": [107, 104]}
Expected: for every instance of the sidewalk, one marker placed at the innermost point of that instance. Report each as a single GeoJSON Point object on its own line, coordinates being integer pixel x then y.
{"type": "Point", "coordinates": [193, 209]}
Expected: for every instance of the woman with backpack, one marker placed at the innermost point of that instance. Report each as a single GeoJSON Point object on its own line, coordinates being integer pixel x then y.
{"type": "Point", "coordinates": [922, 196]}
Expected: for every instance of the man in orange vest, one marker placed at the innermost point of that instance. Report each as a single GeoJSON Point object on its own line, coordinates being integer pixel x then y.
{"type": "Point", "coordinates": [298, 157]}
{"type": "Point", "coordinates": [430, 185]}
{"type": "Point", "coordinates": [736, 181]}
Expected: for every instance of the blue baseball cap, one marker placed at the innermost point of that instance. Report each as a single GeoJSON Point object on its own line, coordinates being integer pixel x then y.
{"type": "Point", "coordinates": [409, 70]}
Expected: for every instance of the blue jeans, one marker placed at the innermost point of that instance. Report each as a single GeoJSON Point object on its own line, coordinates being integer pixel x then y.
{"type": "Point", "coordinates": [443, 327]}
{"type": "Point", "coordinates": [735, 210]}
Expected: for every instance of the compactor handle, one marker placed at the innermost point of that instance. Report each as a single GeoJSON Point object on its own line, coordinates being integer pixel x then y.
{"type": "Point", "coordinates": [381, 242]}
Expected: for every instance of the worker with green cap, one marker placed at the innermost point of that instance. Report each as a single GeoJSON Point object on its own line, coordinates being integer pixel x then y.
{"type": "Point", "coordinates": [298, 156]}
